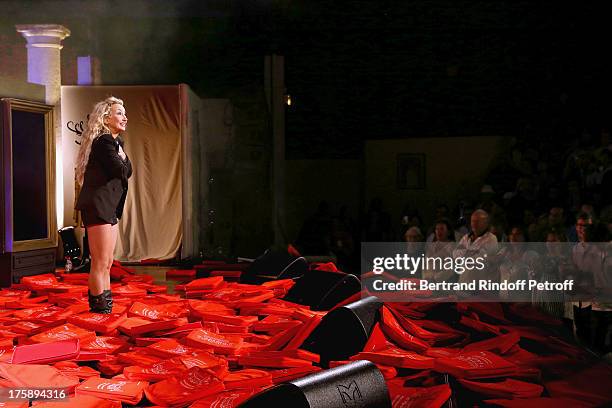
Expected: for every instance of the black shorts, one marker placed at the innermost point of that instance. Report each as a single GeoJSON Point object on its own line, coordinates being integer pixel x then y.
{"type": "Point", "coordinates": [91, 218]}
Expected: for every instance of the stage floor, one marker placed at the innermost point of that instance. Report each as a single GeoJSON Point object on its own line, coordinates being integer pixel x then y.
{"type": "Point", "coordinates": [242, 339]}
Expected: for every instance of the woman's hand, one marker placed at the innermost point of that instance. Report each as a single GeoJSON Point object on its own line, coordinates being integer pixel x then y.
{"type": "Point", "coordinates": [121, 153]}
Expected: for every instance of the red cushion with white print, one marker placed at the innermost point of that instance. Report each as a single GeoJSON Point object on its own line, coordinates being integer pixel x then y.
{"type": "Point", "coordinates": [274, 324]}
{"type": "Point", "coordinates": [130, 392]}
{"type": "Point", "coordinates": [138, 356]}
{"type": "Point", "coordinates": [396, 357]}
{"type": "Point", "coordinates": [102, 323]}
{"type": "Point", "coordinates": [205, 360]}
{"type": "Point", "coordinates": [192, 385]}
{"type": "Point", "coordinates": [155, 372]}
{"type": "Point", "coordinates": [30, 328]}
{"type": "Point", "coordinates": [170, 348]}
{"type": "Point", "coordinates": [499, 344]}
{"type": "Point", "coordinates": [106, 344]}
{"type": "Point", "coordinates": [248, 378]}
{"type": "Point", "coordinates": [158, 312]}
{"type": "Point", "coordinates": [419, 397]}
{"type": "Point", "coordinates": [225, 399]}
{"type": "Point", "coordinates": [475, 364]}
{"type": "Point", "coordinates": [285, 284]}
{"type": "Point", "coordinates": [234, 320]}
{"type": "Point", "coordinates": [38, 282]}
{"type": "Point", "coordinates": [392, 329]}
{"type": "Point", "coordinates": [197, 307]}
{"type": "Point", "coordinates": [64, 332]}
{"type": "Point", "coordinates": [438, 352]}
{"type": "Point", "coordinates": [222, 344]}
{"type": "Point", "coordinates": [72, 368]}
{"type": "Point", "coordinates": [265, 309]}
{"type": "Point", "coordinates": [418, 331]}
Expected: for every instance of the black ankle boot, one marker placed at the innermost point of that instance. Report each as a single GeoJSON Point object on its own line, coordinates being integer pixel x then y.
{"type": "Point", "coordinates": [108, 296]}
{"type": "Point", "coordinates": [98, 303]}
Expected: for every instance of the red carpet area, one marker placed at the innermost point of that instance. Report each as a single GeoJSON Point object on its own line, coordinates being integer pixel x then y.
{"type": "Point", "coordinates": [217, 342]}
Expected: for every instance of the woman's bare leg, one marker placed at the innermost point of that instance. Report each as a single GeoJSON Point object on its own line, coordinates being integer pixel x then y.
{"type": "Point", "coordinates": [102, 239]}
{"type": "Point", "coordinates": [114, 232]}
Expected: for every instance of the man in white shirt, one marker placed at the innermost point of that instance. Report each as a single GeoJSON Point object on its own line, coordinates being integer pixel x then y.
{"type": "Point", "coordinates": [478, 243]}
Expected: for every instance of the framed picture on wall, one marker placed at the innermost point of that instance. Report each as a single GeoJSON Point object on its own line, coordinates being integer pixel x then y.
{"type": "Point", "coordinates": [411, 174]}
{"type": "Point", "coordinates": [28, 176]}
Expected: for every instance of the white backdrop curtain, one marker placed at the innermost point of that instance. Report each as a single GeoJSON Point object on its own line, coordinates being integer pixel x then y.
{"type": "Point", "coordinates": [151, 226]}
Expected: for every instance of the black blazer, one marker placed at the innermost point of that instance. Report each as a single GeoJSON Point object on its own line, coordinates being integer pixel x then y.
{"type": "Point", "coordinates": [105, 183]}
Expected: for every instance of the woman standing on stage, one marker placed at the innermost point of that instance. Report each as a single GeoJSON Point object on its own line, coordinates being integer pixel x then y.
{"type": "Point", "coordinates": [102, 171]}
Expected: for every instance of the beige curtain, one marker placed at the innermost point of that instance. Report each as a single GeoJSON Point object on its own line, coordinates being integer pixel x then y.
{"type": "Point", "coordinates": [151, 226]}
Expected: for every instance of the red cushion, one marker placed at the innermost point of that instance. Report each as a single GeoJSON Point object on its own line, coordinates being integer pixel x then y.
{"type": "Point", "coordinates": [125, 391]}
{"type": "Point", "coordinates": [181, 390]}
{"type": "Point", "coordinates": [46, 352]}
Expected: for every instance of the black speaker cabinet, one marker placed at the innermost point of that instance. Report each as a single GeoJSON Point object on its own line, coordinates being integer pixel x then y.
{"type": "Point", "coordinates": [322, 290]}
{"type": "Point", "coordinates": [344, 331]}
{"type": "Point", "coordinates": [357, 384]}
{"type": "Point", "coordinates": [28, 237]}
{"type": "Point", "coordinates": [274, 265]}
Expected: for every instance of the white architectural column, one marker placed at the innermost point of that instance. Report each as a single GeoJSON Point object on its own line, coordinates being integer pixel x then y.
{"type": "Point", "coordinates": [44, 43]}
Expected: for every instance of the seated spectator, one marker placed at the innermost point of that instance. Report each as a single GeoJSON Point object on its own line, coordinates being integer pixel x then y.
{"type": "Point", "coordinates": [438, 228]}
{"type": "Point", "coordinates": [414, 244]}
{"type": "Point", "coordinates": [480, 240]}
{"type": "Point", "coordinates": [556, 265]}
{"type": "Point", "coordinates": [478, 243]}
{"type": "Point", "coordinates": [587, 262]}
{"type": "Point", "coordinates": [515, 259]}
{"type": "Point", "coordinates": [441, 212]}
{"type": "Point", "coordinates": [441, 246]}
{"type": "Point", "coordinates": [572, 234]}
{"type": "Point", "coordinates": [413, 235]}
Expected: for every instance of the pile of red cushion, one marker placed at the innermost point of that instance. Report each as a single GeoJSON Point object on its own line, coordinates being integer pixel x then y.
{"type": "Point", "coordinates": [218, 342]}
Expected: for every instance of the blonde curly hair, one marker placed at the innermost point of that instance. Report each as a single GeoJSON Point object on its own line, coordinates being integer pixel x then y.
{"type": "Point", "coordinates": [95, 127]}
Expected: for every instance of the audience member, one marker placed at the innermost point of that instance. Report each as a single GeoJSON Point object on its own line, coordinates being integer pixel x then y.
{"type": "Point", "coordinates": [441, 246]}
